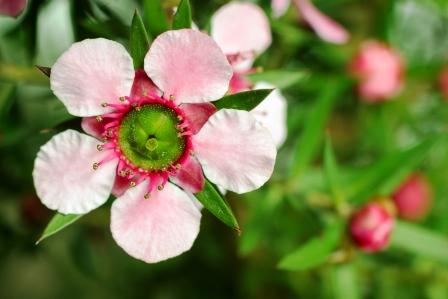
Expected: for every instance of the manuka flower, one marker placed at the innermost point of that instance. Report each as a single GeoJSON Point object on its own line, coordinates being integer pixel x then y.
{"type": "Point", "coordinates": [242, 31]}
{"type": "Point", "coordinates": [380, 71]}
{"type": "Point", "coordinates": [326, 28]}
{"type": "Point", "coordinates": [151, 129]}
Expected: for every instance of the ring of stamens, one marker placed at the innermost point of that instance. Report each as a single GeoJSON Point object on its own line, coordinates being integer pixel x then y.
{"type": "Point", "coordinates": [149, 135]}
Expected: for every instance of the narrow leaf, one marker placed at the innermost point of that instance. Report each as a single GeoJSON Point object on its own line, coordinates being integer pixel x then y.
{"type": "Point", "coordinates": [57, 223]}
{"type": "Point", "coordinates": [420, 241]}
{"type": "Point", "coordinates": [154, 17]}
{"type": "Point", "coordinates": [182, 18]}
{"type": "Point", "coordinates": [246, 100]}
{"type": "Point", "coordinates": [139, 41]}
{"type": "Point", "coordinates": [386, 174]}
{"type": "Point", "coordinates": [332, 173]}
{"type": "Point", "coordinates": [313, 132]}
{"type": "Point", "coordinates": [314, 252]}
{"type": "Point", "coordinates": [216, 204]}
{"type": "Point", "coordinates": [45, 70]}
{"type": "Point", "coordinates": [280, 79]}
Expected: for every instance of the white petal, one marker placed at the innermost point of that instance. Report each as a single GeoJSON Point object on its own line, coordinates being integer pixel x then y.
{"type": "Point", "coordinates": [158, 228]}
{"type": "Point", "coordinates": [235, 150]}
{"type": "Point", "coordinates": [64, 178]}
{"type": "Point", "coordinates": [271, 112]}
{"type": "Point", "coordinates": [90, 73]}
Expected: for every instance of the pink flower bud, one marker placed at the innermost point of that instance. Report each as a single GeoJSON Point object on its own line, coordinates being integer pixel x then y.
{"type": "Point", "coordinates": [413, 198]}
{"type": "Point", "coordinates": [380, 71]}
{"type": "Point", "coordinates": [12, 8]}
{"type": "Point", "coordinates": [370, 227]}
{"type": "Point", "coordinates": [443, 82]}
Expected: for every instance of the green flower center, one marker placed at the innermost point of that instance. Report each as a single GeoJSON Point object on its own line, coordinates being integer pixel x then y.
{"type": "Point", "coordinates": [149, 137]}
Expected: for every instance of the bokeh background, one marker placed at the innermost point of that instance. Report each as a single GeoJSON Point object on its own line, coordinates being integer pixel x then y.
{"type": "Point", "coordinates": [376, 145]}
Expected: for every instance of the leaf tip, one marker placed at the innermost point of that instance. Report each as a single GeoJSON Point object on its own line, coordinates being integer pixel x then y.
{"type": "Point", "coordinates": [45, 70]}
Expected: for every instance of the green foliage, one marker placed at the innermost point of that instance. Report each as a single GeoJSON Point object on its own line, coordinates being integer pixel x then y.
{"type": "Point", "coordinates": [58, 223]}
{"type": "Point", "coordinates": [139, 41]}
{"type": "Point", "coordinates": [217, 205]}
{"type": "Point", "coordinates": [154, 17]}
{"type": "Point", "coordinates": [246, 100]}
{"type": "Point", "coordinates": [182, 18]}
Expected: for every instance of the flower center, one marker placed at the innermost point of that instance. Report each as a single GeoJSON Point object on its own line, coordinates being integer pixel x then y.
{"type": "Point", "coordinates": [151, 138]}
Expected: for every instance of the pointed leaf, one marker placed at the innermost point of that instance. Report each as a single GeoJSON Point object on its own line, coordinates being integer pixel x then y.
{"type": "Point", "coordinates": [331, 172]}
{"type": "Point", "coordinates": [154, 17]}
{"type": "Point", "coordinates": [386, 174]}
{"type": "Point", "coordinates": [246, 100]}
{"type": "Point", "coordinates": [314, 252]}
{"type": "Point", "coordinates": [345, 282]}
{"type": "Point", "coordinates": [58, 223]}
{"type": "Point", "coordinates": [420, 241]}
{"type": "Point", "coordinates": [45, 70]}
{"type": "Point", "coordinates": [312, 135]}
{"type": "Point", "coordinates": [278, 78]}
{"type": "Point", "coordinates": [139, 41]}
{"type": "Point", "coordinates": [182, 18]}
{"type": "Point", "coordinates": [216, 204]}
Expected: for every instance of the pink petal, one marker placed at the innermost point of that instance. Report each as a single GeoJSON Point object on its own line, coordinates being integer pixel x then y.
{"type": "Point", "coordinates": [90, 73]}
{"type": "Point", "coordinates": [12, 8]}
{"type": "Point", "coordinates": [198, 114]}
{"type": "Point", "coordinates": [271, 113]}
{"type": "Point", "coordinates": [121, 185]}
{"type": "Point", "coordinates": [63, 175]}
{"type": "Point", "coordinates": [326, 28]}
{"type": "Point", "coordinates": [279, 7]}
{"type": "Point", "coordinates": [143, 86]}
{"type": "Point", "coordinates": [190, 176]}
{"type": "Point", "coordinates": [92, 126]}
{"type": "Point", "coordinates": [158, 228]}
{"type": "Point", "coordinates": [235, 150]}
{"type": "Point", "coordinates": [188, 65]}
{"type": "Point", "coordinates": [240, 27]}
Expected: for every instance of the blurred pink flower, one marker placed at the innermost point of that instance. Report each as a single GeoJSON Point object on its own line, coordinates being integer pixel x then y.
{"type": "Point", "coordinates": [413, 198]}
{"type": "Point", "coordinates": [326, 28]}
{"type": "Point", "coordinates": [242, 31]}
{"type": "Point", "coordinates": [370, 227]}
{"type": "Point", "coordinates": [12, 8]}
{"type": "Point", "coordinates": [380, 71]}
{"type": "Point", "coordinates": [443, 82]}
{"type": "Point", "coordinates": [146, 126]}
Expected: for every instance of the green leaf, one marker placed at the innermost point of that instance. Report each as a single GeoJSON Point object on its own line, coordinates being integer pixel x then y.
{"type": "Point", "coordinates": [139, 41]}
{"type": "Point", "coordinates": [280, 79]}
{"type": "Point", "coordinates": [246, 100]}
{"type": "Point", "coordinates": [308, 143]}
{"type": "Point", "coordinates": [332, 173]}
{"type": "Point", "coordinates": [216, 204]}
{"type": "Point", "coordinates": [314, 252]}
{"type": "Point", "coordinates": [182, 18]}
{"type": "Point", "coordinates": [344, 281]}
{"type": "Point", "coordinates": [44, 70]}
{"type": "Point", "coordinates": [386, 174]}
{"type": "Point", "coordinates": [58, 223]}
{"type": "Point", "coordinates": [420, 241]}
{"type": "Point", "coordinates": [154, 17]}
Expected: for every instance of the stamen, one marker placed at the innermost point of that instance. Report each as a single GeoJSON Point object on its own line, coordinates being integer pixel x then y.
{"type": "Point", "coordinates": [132, 184]}
{"type": "Point", "coordinates": [95, 165]}
{"type": "Point", "coordinates": [99, 147]}
{"type": "Point", "coordinates": [104, 105]}
{"type": "Point", "coordinates": [122, 99]}
{"type": "Point", "coordinates": [99, 119]}
{"type": "Point", "coordinates": [172, 97]}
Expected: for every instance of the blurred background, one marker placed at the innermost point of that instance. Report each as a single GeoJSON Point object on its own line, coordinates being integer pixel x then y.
{"type": "Point", "coordinates": [376, 143]}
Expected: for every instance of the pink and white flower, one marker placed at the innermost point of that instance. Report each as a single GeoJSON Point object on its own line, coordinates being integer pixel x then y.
{"type": "Point", "coordinates": [242, 31]}
{"type": "Point", "coordinates": [380, 71]}
{"type": "Point", "coordinates": [326, 28]}
{"type": "Point", "coordinates": [12, 8]}
{"type": "Point", "coordinates": [371, 227]}
{"type": "Point", "coordinates": [153, 130]}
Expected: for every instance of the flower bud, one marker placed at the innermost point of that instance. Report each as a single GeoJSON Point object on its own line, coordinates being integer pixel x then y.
{"type": "Point", "coordinates": [370, 227]}
{"type": "Point", "coordinates": [443, 82]}
{"type": "Point", "coordinates": [12, 8]}
{"type": "Point", "coordinates": [413, 198]}
{"type": "Point", "coordinates": [379, 70]}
